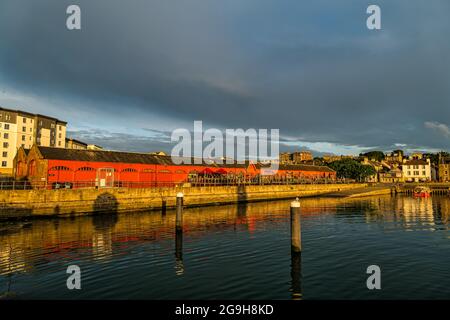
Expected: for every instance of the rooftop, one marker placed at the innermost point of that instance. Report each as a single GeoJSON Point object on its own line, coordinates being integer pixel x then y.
{"type": "Point", "coordinates": [21, 112]}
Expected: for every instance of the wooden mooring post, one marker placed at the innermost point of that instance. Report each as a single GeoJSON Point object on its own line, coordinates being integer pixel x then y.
{"type": "Point", "coordinates": [296, 229]}
{"type": "Point", "coordinates": [179, 218]}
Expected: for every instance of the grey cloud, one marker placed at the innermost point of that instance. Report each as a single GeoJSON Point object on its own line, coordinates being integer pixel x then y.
{"type": "Point", "coordinates": [310, 69]}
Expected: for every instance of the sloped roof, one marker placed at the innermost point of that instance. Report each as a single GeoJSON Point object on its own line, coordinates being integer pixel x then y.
{"type": "Point", "coordinates": [147, 158]}
{"type": "Point", "coordinates": [301, 167]}
{"type": "Point", "coordinates": [119, 156]}
{"type": "Point", "coordinates": [416, 162]}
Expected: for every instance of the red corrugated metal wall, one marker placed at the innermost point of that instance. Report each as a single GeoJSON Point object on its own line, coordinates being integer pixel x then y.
{"type": "Point", "coordinates": [81, 171]}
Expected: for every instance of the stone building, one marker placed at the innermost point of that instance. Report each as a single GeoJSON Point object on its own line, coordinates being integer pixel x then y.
{"type": "Point", "coordinates": [301, 156]}
{"type": "Point", "coordinates": [75, 144]}
{"type": "Point", "coordinates": [396, 156]}
{"type": "Point", "coordinates": [394, 175]}
{"type": "Point", "coordinates": [285, 158]}
{"type": "Point", "coordinates": [444, 170]}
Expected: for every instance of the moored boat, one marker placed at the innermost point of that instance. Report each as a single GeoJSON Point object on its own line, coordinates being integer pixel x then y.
{"type": "Point", "coordinates": [422, 192]}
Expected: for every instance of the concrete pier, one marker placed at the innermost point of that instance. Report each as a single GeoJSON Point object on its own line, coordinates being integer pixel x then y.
{"type": "Point", "coordinates": [70, 202]}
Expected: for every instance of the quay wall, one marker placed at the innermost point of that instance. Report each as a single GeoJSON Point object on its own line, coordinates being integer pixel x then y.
{"type": "Point", "coordinates": [69, 202]}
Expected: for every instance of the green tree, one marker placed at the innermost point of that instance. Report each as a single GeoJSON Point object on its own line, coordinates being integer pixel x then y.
{"type": "Point", "coordinates": [352, 169]}
{"type": "Point", "coordinates": [377, 155]}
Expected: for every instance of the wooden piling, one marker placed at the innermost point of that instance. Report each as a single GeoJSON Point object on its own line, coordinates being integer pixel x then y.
{"type": "Point", "coordinates": [179, 218]}
{"type": "Point", "coordinates": [296, 229]}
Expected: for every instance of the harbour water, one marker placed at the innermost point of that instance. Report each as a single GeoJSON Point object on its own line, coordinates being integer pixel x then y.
{"type": "Point", "coordinates": [236, 252]}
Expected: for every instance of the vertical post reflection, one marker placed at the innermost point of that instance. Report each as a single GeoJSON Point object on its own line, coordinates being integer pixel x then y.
{"type": "Point", "coordinates": [179, 266]}
{"type": "Point", "coordinates": [296, 275]}
{"type": "Point", "coordinates": [163, 207]}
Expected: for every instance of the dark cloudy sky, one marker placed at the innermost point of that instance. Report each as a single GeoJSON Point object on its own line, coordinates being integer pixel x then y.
{"type": "Point", "coordinates": [141, 68]}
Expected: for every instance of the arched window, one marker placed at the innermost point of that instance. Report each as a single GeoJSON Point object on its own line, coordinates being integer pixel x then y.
{"type": "Point", "coordinates": [86, 169]}
{"type": "Point", "coordinates": [19, 168]}
{"type": "Point", "coordinates": [129, 170]}
{"type": "Point", "coordinates": [60, 168]}
{"type": "Point", "coordinates": [32, 168]}
{"type": "Point", "coordinates": [148, 170]}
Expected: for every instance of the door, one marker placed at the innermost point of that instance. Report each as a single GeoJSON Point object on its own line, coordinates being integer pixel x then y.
{"type": "Point", "coordinates": [105, 177]}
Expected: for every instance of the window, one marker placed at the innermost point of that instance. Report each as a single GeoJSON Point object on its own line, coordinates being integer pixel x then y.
{"type": "Point", "coordinates": [6, 135]}
{"type": "Point", "coordinates": [424, 173]}
{"type": "Point", "coordinates": [86, 169]}
{"type": "Point", "coordinates": [31, 129]}
{"type": "Point", "coordinates": [4, 163]}
{"type": "Point", "coordinates": [23, 138]}
{"type": "Point", "coordinates": [60, 168]}
{"type": "Point", "coordinates": [59, 135]}
{"type": "Point", "coordinates": [8, 117]}
{"type": "Point", "coordinates": [6, 126]}
{"type": "Point", "coordinates": [129, 170]}
{"type": "Point", "coordinates": [24, 120]}
{"type": "Point", "coordinates": [148, 170]}
{"type": "Point", "coordinates": [5, 154]}
{"type": "Point", "coordinates": [5, 144]}
{"type": "Point", "coordinates": [32, 168]}
{"type": "Point", "coordinates": [59, 143]}
{"type": "Point", "coordinates": [24, 129]}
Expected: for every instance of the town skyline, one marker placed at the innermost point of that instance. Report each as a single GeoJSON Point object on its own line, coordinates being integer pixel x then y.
{"type": "Point", "coordinates": [160, 140]}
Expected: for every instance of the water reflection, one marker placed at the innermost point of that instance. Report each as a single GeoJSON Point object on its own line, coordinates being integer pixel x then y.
{"type": "Point", "coordinates": [22, 243]}
{"type": "Point", "coordinates": [102, 238]}
{"type": "Point", "coordinates": [106, 237]}
{"type": "Point", "coordinates": [179, 266]}
{"type": "Point", "coordinates": [296, 275]}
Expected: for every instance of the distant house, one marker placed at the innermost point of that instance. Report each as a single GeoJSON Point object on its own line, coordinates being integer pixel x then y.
{"type": "Point", "coordinates": [394, 157]}
{"type": "Point", "coordinates": [444, 169]}
{"type": "Point", "coordinates": [394, 175]}
{"type": "Point", "coordinates": [378, 167]}
{"type": "Point", "coordinates": [94, 147]}
{"type": "Point", "coordinates": [417, 170]}
{"type": "Point", "coordinates": [75, 144]}
{"type": "Point", "coordinates": [159, 153]}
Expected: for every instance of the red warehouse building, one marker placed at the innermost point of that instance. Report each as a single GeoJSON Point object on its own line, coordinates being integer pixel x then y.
{"type": "Point", "coordinates": [92, 168]}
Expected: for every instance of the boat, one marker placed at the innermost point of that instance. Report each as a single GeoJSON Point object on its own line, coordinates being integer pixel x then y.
{"type": "Point", "coordinates": [422, 192]}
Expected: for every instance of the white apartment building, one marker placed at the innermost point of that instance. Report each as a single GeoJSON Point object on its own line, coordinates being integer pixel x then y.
{"type": "Point", "coordinates": [19, 128]}
{"type": "Point", "coordinates": [417, 170]}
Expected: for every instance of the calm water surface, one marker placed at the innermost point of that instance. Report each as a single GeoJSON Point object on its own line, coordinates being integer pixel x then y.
{"type": "Point", "coordinates": [236, 252]}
